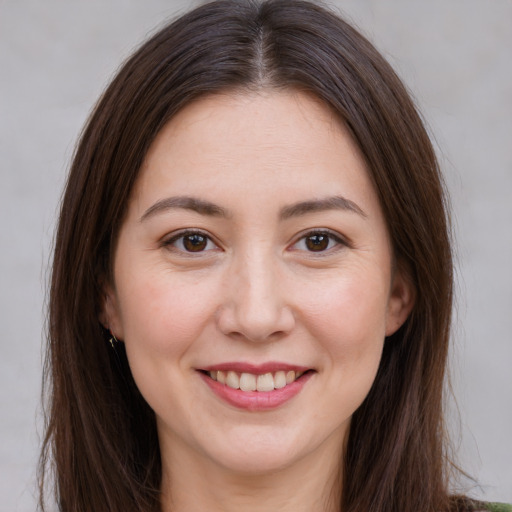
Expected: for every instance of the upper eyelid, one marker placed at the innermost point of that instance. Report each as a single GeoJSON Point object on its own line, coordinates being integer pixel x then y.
{"type": "Point", "coordinates": [321, 231]}
{"type": "Point", "coordinates": [176, 235]}
{"type": "Point", "coordinates": [186, 231]}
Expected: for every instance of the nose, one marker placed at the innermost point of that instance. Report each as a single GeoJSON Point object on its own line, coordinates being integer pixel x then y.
{"type": "Point", "coordinates": [254, 305]}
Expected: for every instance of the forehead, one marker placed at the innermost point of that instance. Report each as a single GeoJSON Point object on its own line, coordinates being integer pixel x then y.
{"type": "Point", "coordinates": [269, 141]}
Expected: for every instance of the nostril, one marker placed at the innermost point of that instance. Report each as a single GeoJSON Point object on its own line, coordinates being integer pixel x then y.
{"type": "Point", "coordinates": [260, 324]}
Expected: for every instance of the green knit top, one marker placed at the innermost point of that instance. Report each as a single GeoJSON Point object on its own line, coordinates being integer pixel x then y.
{"type": "Point", "coordinates": [498, 507]}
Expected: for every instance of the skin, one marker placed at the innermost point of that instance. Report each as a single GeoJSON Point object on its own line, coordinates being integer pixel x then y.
{"type": "Point", "coordinates": [254, 293]}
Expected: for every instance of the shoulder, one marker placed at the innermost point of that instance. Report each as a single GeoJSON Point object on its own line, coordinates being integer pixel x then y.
{"type": "Point", "coordinates": [498, 507]}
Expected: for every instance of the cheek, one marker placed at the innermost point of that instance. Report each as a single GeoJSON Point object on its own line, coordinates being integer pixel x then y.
{"type": "Point", "coordinates": [163, 321]}
{"type": "Point", "coordinates": [347, 316]}
{"type": "Point", "coordinates": [345, 319]}
{"type": "Point", "coordinates": [162, 316]}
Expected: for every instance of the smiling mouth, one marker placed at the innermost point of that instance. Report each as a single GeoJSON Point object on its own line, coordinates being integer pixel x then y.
{"type": "Point", "coordinates": [256, 388]}
{"type": "Point", "coordinates": [265, 382]}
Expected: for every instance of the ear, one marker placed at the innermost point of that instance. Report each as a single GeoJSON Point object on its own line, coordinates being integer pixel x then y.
{"type": "Point", "coordinates": [401, 301]}
{"type": "Point", "coordinates": [110, 316]}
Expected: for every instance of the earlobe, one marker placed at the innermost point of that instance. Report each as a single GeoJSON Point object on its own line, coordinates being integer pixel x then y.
{"type": "Point", "coordinates": [109, 315]}
{"type": "Point", "coordinates": [401, 302]}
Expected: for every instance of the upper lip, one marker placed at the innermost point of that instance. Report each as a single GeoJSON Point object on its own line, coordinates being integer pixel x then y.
{"type": "Point", "coordinates": [255, 369]}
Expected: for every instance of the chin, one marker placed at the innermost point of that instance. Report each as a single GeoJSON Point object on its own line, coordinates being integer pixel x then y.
{"type": "Point", "coordinates": [258, 462]}
{"type": "Point", "coordinates": [267, 450]}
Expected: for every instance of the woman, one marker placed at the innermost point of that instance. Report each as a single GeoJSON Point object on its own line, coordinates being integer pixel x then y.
{"type": "Point", "coordinates": [252, 281]}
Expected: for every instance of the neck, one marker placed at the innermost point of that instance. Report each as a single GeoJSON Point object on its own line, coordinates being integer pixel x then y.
{"type": "Point", "coordinates": [193, 483]}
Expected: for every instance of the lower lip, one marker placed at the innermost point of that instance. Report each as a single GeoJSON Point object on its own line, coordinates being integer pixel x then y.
{"type": "Point", "coordinates": [256, 400]}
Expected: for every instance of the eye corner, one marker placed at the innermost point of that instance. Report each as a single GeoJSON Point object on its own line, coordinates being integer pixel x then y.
{"type": "Point", "coordinates": [319, 242]}
{"type": "Point", "coordinates": [190, 243]}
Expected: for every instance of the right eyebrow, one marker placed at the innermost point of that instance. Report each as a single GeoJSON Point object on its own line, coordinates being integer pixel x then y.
{"type": "Point", "coordinates": [187, 203]}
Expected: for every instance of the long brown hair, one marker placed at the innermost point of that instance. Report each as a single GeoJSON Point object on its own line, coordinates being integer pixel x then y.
{"type": "Point", "coordinates": [101, 442]}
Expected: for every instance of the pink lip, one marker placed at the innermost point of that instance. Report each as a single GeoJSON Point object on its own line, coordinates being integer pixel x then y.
{"type": "Point", "coordinates": [256, 400]}
{"type": "Point", "coordinates": [255, 369]}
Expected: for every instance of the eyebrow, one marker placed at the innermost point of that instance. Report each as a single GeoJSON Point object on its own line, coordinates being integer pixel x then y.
{"type": "Point", "coordinates": [320, 205]}
{"type": "Point", "coordinates": [211, 209]}
{"type": "Point", "coordinates": [186, 203]}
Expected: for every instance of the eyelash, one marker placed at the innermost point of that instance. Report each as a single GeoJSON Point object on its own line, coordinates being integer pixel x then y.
{"type": "Point", "coordinates": [333, 240]}
{"type": "Point", "coordinates": [171, 242]}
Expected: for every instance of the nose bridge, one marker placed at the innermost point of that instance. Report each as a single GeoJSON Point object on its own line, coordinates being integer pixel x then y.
{"type": "Point", "coordinates": [256, 305]}
{"type": "Point", "coordinates": [258, 277]}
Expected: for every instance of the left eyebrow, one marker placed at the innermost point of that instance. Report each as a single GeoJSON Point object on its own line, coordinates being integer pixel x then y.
{"type": "Point", "coordinates": [320, 205]}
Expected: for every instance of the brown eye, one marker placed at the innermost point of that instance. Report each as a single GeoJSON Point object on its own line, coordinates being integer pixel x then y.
{"type": "Point", "coordinates": [190, 242]}
{"type": "Point", "coordinates": [195, 242]}
{"type": "Point", "coordinates": [317, 242]}
{"type": "Point", "coordinates": [320, 242]}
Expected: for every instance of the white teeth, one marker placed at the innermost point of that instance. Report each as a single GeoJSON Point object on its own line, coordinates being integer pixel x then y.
{"type": "Point", "coordinates": [232, 380]}
{"type": "Point", "coordinates": [252, 382]}
{"type": "Point", "coordinates": [279, 380]}
{"type": "Point", "coordinates": [265, 382]}
{"type": "Point", "coordinates": [248, 382]}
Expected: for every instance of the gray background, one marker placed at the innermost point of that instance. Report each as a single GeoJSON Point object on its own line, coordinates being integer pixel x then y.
{"type": "Point", "coordinates": [455, 55]}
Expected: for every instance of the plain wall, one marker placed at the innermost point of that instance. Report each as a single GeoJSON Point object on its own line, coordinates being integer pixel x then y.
{"type": "Point", "coordinates": [56, 57]}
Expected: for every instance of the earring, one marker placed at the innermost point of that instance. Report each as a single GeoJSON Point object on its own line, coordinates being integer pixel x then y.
{"type": "Point", "coordinates": [113, 340]}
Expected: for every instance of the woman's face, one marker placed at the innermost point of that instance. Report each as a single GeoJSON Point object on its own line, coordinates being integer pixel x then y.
{"type": "Point", "coordinates": [254, 255]}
